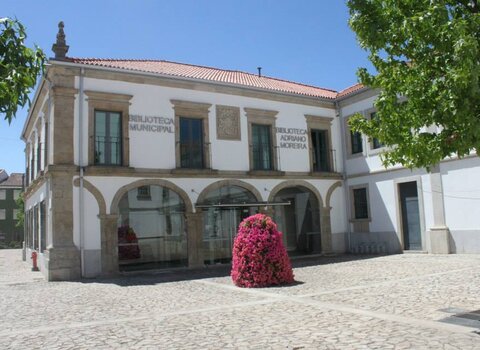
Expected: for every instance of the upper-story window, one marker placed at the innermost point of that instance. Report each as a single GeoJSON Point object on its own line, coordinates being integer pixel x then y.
{"type": "Point", "coordinates": [375, 142]}
{"type": "Point", "coordinates": [3, 194]}
{"type": "Point", "coordinates": [262, 147]}
{"type": "Point", "coordinates": [16, 194]}
{"type": "Point", "coordinates": [262, 139]}
{"type": "Point", "coordinates": [320, 150]}
{"type": "Point", "coordinates": [108, 138]}
{"type": "Point", "coordinates": [356, 142]}
{"type": "Point", "coordinates": [191, 145]}
{"type": "Point", "coordinates": [320, 140]}
{"type": "Point", "coordinates": [108, 132]}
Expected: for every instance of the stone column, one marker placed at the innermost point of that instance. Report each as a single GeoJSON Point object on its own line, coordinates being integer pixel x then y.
{"type": "Point", "coordinates": [62, 258]}
{"type": "Point", "coordinates": [326, 230]}
{"type": "Point", "coordinates": [109, 243]}
{"type": "Point", "coordinates": [194, 223]}
{"type": "Point", "coordinates": [439, 233]}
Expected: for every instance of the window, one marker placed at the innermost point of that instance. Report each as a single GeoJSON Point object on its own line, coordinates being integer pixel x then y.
{"type": "Point", "coordinates": [45, 147]}
{"type": "Point", "coordinates": [108, 133]}
{"type": "Point", "coordinates": [3, 214]}
{"type": "Point", "coordinates": [262, 139]}
{"type": "Point", "coordinates": [356, 142]}
{"type": "Point", "coordinates": [262, 147]}
{"type": "Point", "coordinates": [3, 194]}
{"type": "Point", "coordinates": [16, 194]}
{"type": "Point", "coordinates": [360, 203]}
{"type": "Point", "coordinates": [38, 156]}
{"type": "Point", "coordinates": [192, 147]}
{"type": "Point", "coordinates": [322, 154]}
{"type": "Point", "coordinates": [375, 142]}
{"type": "Point", "coordinates": [191, 143]}
{"type": "Point", "coordinates": [108, 138]}
{"type": "Point", "coordinates": [43, 227]}
{"type": "Point", "coordinates": [143, 193]}
{"type": "Point", "coordinates": [15, 213]}
{"type": "Point", "coordinates": [320, 151]}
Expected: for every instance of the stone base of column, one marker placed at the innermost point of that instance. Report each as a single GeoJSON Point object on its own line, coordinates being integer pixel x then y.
{"type": "Point", "coordinates": [62, 263]}
{"type": "Point", "coordinates": [439, 240]}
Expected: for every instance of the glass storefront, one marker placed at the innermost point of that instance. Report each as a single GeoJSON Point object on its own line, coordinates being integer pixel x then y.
{"type": "Point", "coordinates": [300, 221]}
{"type": "Point", "coordinates": [224, 209]}
{"type": "Point", "coordinates": [151, 229]}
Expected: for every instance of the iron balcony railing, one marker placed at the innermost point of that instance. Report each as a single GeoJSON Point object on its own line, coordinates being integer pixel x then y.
{"type": "Point", "coordinates": [194, 155]}
{"type": "Point", "coordinates": [263, 156]}
{"type": "Point", "coordinates": [324, 160]}
{"type": "Point", "coordinates": [108, 150]}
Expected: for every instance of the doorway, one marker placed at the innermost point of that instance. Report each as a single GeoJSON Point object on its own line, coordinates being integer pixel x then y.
{"type": "Point", "coordinates": [410, 216]}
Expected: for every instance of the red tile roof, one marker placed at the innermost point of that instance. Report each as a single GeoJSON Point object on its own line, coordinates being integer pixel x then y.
{"type": "Point", "coordinates": [350, 90]}
{"type": "Point", "coordinates": [210, 74]}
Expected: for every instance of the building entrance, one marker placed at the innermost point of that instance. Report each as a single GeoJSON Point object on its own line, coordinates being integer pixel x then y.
{"type": "Point", "coordinates": [223, 210]}
{"type": "Point", "coordinates": [412, 239]}
{"type": "Point", "coordinates": [300, 221]}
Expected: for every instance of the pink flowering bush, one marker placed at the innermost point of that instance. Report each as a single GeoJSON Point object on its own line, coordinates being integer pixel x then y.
{"type": "Point", "coordinates": [259, 256]}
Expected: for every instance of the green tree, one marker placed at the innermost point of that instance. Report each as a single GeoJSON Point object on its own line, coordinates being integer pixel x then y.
{"type": "Point", "coordinates": [19, 67]}
{"type": "Point", "coordinates": [21, 210]}
{"type": "Point", "coordinates": [426, 54]}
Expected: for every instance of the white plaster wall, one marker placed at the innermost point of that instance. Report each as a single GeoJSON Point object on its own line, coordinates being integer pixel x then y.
{"type": "Point", "coordinates": [461, 188]}
{"type": "Point", "coordinates": [39, 195]}
{"type": "Point", "coordinates": [156, 150]}
{"type": "Point", "coordinates": [92, 239]}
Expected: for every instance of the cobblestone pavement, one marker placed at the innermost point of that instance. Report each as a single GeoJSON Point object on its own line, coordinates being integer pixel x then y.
{"type": "Point", "coordinates": [390, 302]}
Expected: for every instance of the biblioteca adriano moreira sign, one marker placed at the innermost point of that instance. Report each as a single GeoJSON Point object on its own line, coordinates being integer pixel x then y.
{"type": "Point", "coordinates": [292, 138]}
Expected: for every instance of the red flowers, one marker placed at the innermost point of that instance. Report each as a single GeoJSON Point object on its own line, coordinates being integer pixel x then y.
{"type": "Point", "coordinates": [259, 257]}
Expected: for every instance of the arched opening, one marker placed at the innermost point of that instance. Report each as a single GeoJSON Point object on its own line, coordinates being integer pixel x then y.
{"type": "Point", "coordinates": [299, 221]}
{"type": "Point", "coordinates": [151, 229]}
{"type": "Point", "coordinates": [223, 210]}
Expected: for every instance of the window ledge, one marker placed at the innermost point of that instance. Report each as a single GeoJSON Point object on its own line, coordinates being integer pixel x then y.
{"type": "Point", "coordinates": [266, 173]}
{"type": "Point", "coordinates": [188, 171]}
{"type": "Point", "coordinates": [361, 220]}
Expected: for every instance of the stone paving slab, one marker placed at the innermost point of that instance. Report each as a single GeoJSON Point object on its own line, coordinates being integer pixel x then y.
{"type": "Point", "coordinates": [390, 302]}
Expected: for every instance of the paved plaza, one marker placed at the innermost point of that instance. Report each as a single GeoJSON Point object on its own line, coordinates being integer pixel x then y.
{"type": "Point", "coordinates": [404, 301]}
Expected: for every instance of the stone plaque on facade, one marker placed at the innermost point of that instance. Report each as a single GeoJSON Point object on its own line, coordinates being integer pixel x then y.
{"type": "Point", "coordinates": [228, 123]}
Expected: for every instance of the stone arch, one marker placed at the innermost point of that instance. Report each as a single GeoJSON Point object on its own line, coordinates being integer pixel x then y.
{"type": "Point", "coordinates": [102, 206]}
{"type": "Point", "coordinates": [147, 182]}
{"type": "Point", "coordinates": [232, 182]}
{"type": "Point", "coordinates": [330, 192]}
{"type": "Point", "coordinates": [296, 183]}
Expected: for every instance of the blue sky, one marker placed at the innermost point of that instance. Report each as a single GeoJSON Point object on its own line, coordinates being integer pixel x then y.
{"type": "Point", "coordinates": [306, 41]}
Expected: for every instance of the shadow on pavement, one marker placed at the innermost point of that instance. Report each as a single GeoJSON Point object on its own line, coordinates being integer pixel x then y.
{"type": "Point", "coordinates": [153, 277]}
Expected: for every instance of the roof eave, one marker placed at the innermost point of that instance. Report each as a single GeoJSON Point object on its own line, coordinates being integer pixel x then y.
{"type": "Point", "coordinates": [174, 77]}
{"type": "Point", "coordinates": [32, 107]}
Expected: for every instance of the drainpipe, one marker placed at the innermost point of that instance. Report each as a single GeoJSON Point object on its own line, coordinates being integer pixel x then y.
{"type": "Point", "coordinates": [344, 173]}
{"type": "Point", "coordinates": [81, 165]}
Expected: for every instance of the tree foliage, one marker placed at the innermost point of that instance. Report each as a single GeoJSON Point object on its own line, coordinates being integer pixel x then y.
{"type": "Point", "coordinates": [19, 67]}
{"type": "Point", "coordinates": [21, 210]}
{"type": "Point", "coordinates": [426, 54]}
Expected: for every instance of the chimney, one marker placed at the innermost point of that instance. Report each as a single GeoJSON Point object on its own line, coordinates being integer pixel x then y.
{"type": "Point", "coordinates": [60, 48]}
{"type": "Point", "coordinates": [259, 71]}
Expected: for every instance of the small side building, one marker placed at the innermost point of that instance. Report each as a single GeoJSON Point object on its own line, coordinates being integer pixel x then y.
{"type": "Point", "coordinates": [11, 235]}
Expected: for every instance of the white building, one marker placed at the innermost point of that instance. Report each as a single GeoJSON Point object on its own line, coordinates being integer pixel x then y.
{"type": "Point", "coordinates": [152, 164]}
